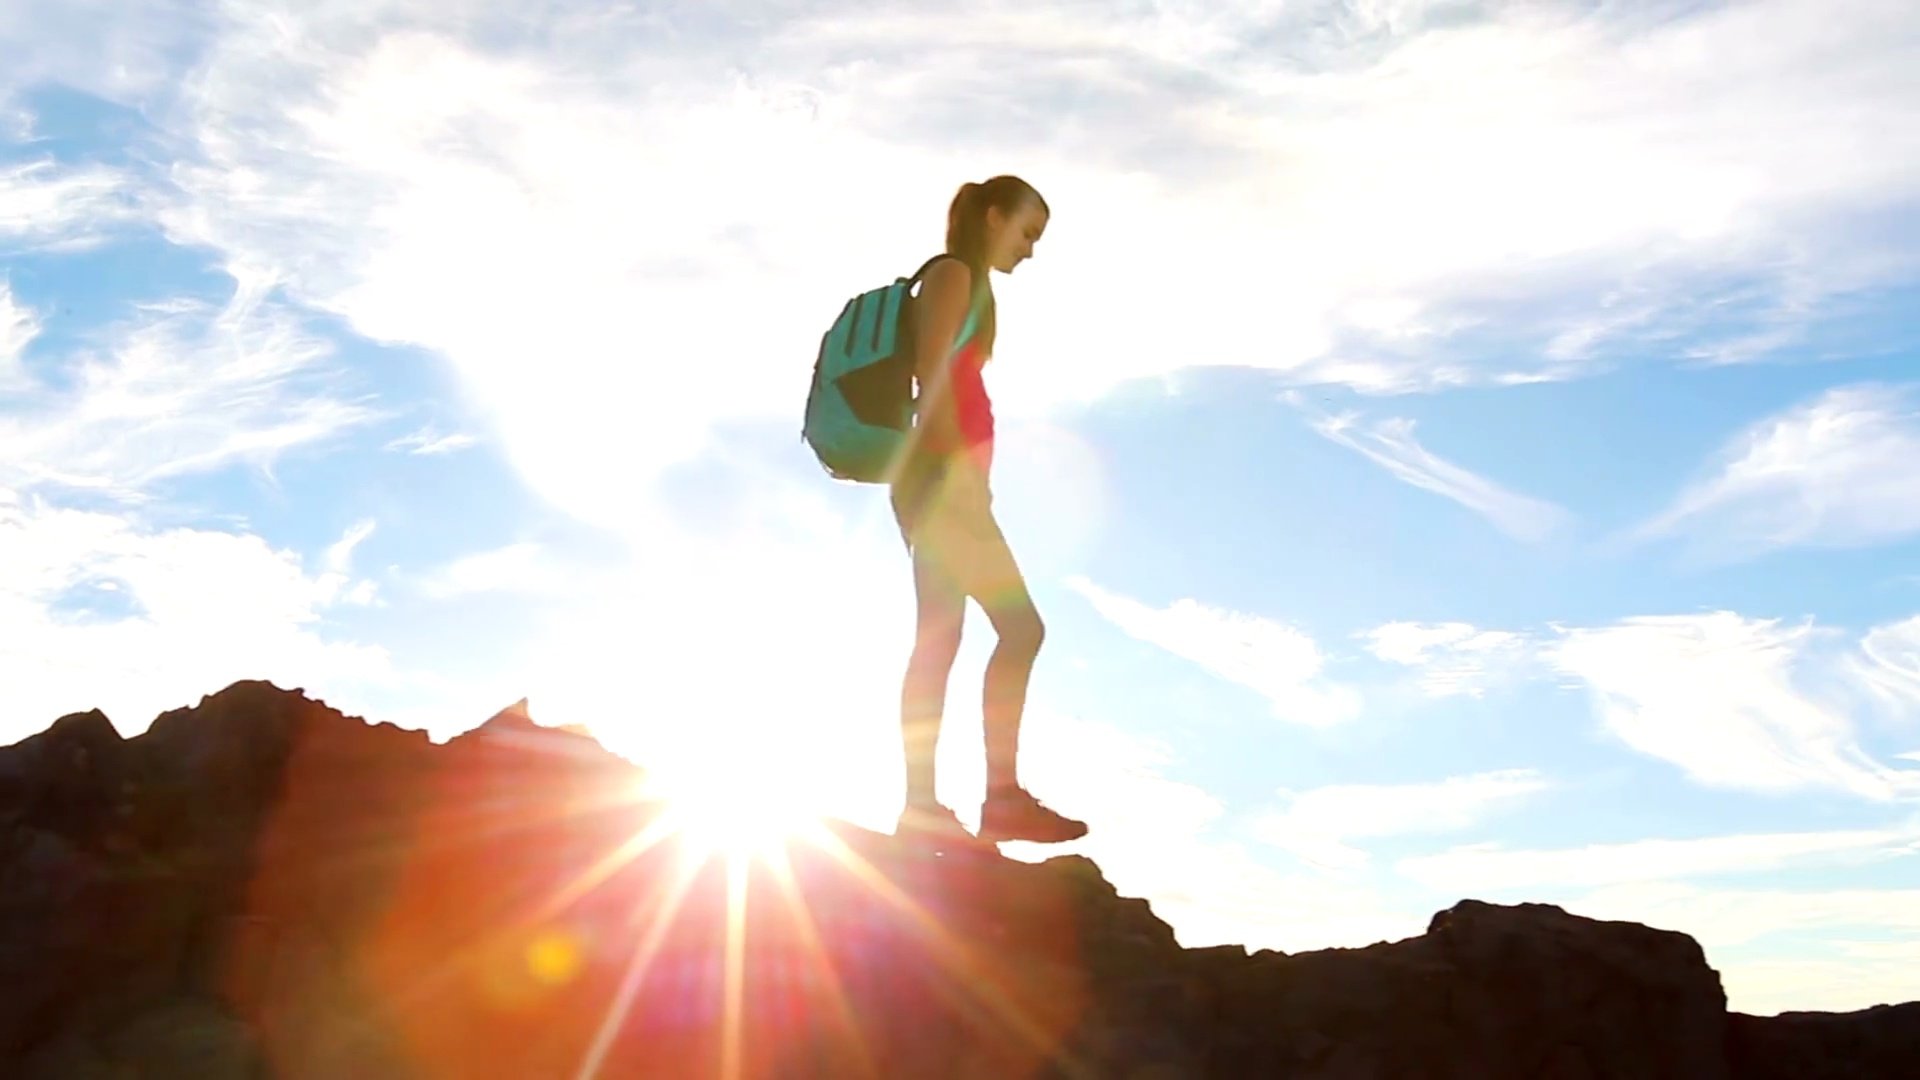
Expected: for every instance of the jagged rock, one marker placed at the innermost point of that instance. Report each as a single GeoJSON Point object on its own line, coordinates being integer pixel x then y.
{"type": "Point", "coordinates": [62, 772]}
{"type": "Point", "coordinates": [260, 886]}
{"type": "Point", "coordinates": [1881, 1041]}
{"type": "Point", "coordinates": [1488, 991]}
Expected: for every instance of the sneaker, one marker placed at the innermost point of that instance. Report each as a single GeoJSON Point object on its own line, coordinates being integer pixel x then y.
{"type": "Point", "coordinates": [1014, 814]}
{"type": "Point", "coordinates": [933, 825]}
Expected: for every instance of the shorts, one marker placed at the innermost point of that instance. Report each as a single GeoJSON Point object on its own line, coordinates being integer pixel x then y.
{"type": "Point", "coordinates": [946, 520]}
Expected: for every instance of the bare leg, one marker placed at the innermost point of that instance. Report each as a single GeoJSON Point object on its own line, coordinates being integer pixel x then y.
{"type": "Point", "coordinates": [923, 693]}
{"type": "Point", "coordinates": [960, 553]}
{"type": "Point", "coordinates": [1009, 811]}
{"type": "Point", "coordinates": [1004, 697]}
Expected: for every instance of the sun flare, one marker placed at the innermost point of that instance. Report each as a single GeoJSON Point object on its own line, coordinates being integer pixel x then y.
{"type": "Point", "coordinates": [735, 818]}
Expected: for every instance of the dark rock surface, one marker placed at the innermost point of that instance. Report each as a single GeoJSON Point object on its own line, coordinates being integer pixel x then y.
{"type": "Point", "coordinates": [262, 887]}
{"type": "Point", "coordinates": [1877, 1042]}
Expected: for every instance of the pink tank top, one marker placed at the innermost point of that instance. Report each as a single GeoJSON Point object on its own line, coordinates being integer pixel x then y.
{"type": "Point", "coordinates": [972, 408]}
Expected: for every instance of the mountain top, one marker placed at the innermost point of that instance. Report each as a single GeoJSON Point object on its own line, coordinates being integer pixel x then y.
{"type": "Point", "coordinates": [261, 886]}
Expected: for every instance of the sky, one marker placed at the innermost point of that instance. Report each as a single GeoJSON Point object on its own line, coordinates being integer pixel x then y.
{"type": "Point", "coordinates": [1458, 449]}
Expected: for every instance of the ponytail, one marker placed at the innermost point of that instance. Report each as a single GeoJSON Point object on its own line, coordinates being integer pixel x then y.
{"type": "Point", "coordinates": [967, 227]}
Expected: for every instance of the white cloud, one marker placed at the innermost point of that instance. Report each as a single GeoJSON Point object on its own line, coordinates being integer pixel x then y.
{"type": "Point", "coordinates": [1836, 471]}
{"type": "Point", "coordinates": [1316, 823]}
{"type": "Point", "coordinates": [428, 441]}
{"type": "Point", "coordinates": [1735, 702]}
{"type": "Point", "coordinates": [117, 49]}
{"type": "Point", "coordinates": [1749, 935]}
{"type": "Point", "coordinates": [18, 327]}
{"type": "Point", "coordinates": [1760, 939]}
{"type": "Point", "coordinates": [1555, 154]}
{"type": "Point", "coordinates": [1782, 950]}
{"type": "Point", "coordinates": [1391, 445]}
{"type": "Point", "coordinates": [1889, 664]}
{"type": "Point", "coordinates": [340, 555]}
{"type": "Point", "coordinates": [1491, 868]}
{"type": "Point", "coordinates": [1220, 894]}
{"type": "Point", "coordinates": [97, 611]}
{"type": "Point", "coordinates": [16, 122]}
{"type": "Point", "coordinates": [520, 567]}
{"type": "Point", "coordinates": [1720, 697]}
{"type": "Point", "coordinates": [1840, 976]}
{"type": "Point", "coordinates": [1454, 658]}
{"type": "Point", "coordinates": [44, 205]}
{"type": "Point", "coordinates": [1727, 917]}
{"type": "Point", "coordinates": [1153, 836]}
{"type": "Point", "coordinates": [422, 177]}
{"type": "Point", "coordinates": [337, 583]}
{"type": "Point", "coordinates": [1277, 661]}
{"type": "Point", "coordinates": [182, 388]}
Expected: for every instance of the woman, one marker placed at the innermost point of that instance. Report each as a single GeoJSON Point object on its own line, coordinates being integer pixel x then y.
{"type": "Point", "coordinates": [943, 503]}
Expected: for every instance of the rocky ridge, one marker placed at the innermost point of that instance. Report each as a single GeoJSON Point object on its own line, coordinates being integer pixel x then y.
{"type": "Point", "coordinates": [260, 886]}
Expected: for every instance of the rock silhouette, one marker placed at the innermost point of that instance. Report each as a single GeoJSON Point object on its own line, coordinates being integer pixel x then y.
{"type": "Point", "coordinates": [263, 887]}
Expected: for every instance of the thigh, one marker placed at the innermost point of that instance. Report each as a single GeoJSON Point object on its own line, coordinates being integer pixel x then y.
{"type": "Point", "coordinates": [965, 553]}
{"type": "Point", "coordinates": [940, 605]}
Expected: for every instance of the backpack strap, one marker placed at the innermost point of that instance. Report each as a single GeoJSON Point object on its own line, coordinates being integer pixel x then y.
{"type": "Point", "coordinates": [974, 305]}
{"type": "Point", "coordinates": [925, 266]}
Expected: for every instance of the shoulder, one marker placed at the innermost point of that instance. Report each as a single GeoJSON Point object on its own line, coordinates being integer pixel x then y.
{"type": "Point", "coordinates": [949, 280]}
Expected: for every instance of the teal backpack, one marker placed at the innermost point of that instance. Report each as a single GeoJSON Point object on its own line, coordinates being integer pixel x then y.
{"type": "Point", "coordinates": [860, 409]}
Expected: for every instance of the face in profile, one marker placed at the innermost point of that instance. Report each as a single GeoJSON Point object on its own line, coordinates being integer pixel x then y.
{"type": "Point", "coordinates": [1010, 237]}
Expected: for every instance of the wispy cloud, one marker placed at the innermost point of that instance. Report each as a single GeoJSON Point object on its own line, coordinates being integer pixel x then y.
{"type": "Point", "coordinates": [1733, 702]}
{"type": "Point", "coordinates": [1784, 948]}
{"type": "Point", "coordinates": [45, 205]}
{"type": "Point", "coordinates": [1836, 471]}
{"type": "Point", "coordinates": [1277, 661]}
{"type": "Point", "coordinates": [1453, 658]}
{"type": "Point", "coordinates": [18, 327]}
{"type": "Point", "coordinates": [16, 122]}
{"type": "Point", "coordinates": [97, 610]}
{"type": "Point", "coordinates": [1155, 836]}
{"type": "Point", "coordinates": [181, 388]}
{"type": "Point", "coordinates": [1889, 664]}
{"type": "Point", "coordinates": [522, 567]}
{"type": "Point", "coordinates": [1391, 445]}
{"type": "Point", "coordinates": [1777, 947]}
{"type": "Point", "coordinates": [1833, 972]}
{"type": "Point", "coordinates": [337, 583]}
{"type": "Point", "coordinates": [428, 441]}
{"type": "Point", "coordinates": [1491, 868]}
{"type": "Point", "coordinates": [1317, 824]}
{"type": "Point", "coordinates": [117, 49]}
{"type": "Point", "coordinates": [418, 178]}
{"type": "Point", "coordinates": [340, 556]}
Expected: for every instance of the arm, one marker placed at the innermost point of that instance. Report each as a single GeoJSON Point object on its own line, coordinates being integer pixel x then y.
{"type": "Point", "coordinates": [945, 293]}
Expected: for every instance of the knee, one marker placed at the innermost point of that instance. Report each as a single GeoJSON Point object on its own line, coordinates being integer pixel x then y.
{"type": "Point", "coordinates": [1023, 631]}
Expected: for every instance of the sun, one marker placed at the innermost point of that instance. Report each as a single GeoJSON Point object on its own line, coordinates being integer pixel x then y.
{"type": "Point", "coordinates": [735, 815]}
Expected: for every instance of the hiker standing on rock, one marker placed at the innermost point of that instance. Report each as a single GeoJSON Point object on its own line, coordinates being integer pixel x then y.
{"type": "Point", "coordinates": [944, 505]}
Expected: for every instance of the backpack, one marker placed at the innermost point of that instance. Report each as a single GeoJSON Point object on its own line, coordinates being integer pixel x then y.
{"type": "Point", "coordinates": [860, 409]}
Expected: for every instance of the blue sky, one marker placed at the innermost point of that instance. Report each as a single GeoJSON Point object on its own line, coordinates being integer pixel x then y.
{"type": "Point", "coordinates": [1459, 449]}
